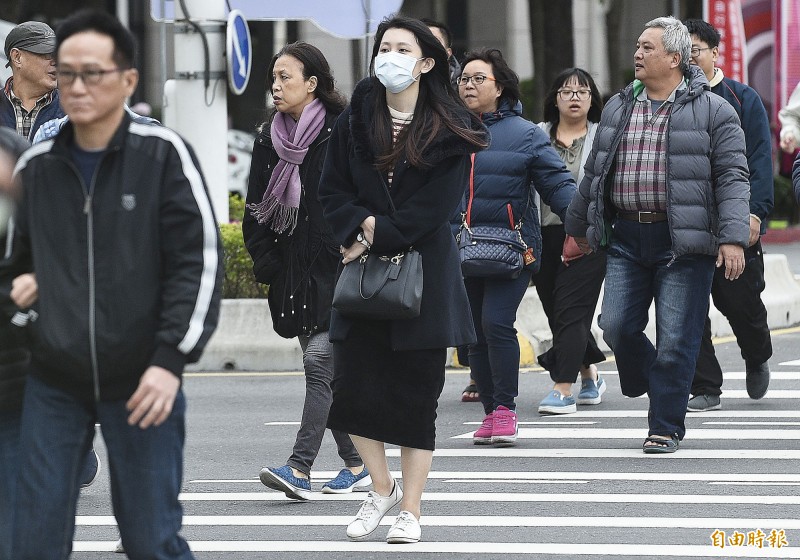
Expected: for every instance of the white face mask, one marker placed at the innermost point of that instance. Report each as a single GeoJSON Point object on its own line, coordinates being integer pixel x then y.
{"type": "Point", "coordinates": [395, 70]}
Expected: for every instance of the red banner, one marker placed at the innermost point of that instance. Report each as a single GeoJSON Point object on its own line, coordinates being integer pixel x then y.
{"type": "Point", "coordinates": [726, 16]}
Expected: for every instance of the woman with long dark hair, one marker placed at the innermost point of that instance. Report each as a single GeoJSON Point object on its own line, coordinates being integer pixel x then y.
{"type": "Point", "coordinates": [519, 163]}
{"type": "Point", "coordinates": [569, 282]}
{"type": "Point", "coordinates": [405, 132]}
{"type": "Point", "coordinates": [295, 252]}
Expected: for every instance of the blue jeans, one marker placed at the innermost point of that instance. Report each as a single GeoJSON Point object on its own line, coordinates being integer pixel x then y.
{"type": "Point", "coordinates": [494, 358]}
{"type": "Point", "coordinates": [9, 468]}
{"type": "Point", "coordinates": [639, 270]}
{"type": "Point", "coordinates": [145, 466]}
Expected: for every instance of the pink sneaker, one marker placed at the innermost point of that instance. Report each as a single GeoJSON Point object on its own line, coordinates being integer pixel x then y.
{"type": "Point", "coordinates": [504, 430]}
{"type": "Point", "coordinates": [484, 434]}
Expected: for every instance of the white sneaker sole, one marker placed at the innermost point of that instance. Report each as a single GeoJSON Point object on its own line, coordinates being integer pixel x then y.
{"type": "Point", "coordinates": [481, 440]}
{"type": "Point", "coordinates": [366, 481]}
{"type": "Point", "coordinates": [505, 441]}
{"type": "Point", "coordinates": [710, 408]}
{"type": "Point", "coordinates": [271, 480]}
{"type": "Point", "coordinates": [569, 409]}
{"type": "Point", "coordinates": [401, 540]}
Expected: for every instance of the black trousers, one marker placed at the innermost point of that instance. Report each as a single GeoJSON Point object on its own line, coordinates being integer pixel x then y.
{"type": "Point", "coordinates": [569, 297]}
{"type": "Point", "coordinates": [740, 302]}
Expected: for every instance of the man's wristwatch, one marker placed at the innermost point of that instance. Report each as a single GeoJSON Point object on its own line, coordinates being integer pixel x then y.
{"type": "Point", "coordinates": [363, 240]}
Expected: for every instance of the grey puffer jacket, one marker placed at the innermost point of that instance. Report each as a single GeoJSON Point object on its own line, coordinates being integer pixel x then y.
{"type": "Point", "coordinates": [707, 179]}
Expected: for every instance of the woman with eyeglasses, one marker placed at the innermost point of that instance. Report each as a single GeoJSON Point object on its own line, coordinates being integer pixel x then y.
{"type": "Point", "coordinates": [503, 182]}
{"type": "Point", "coordinates": [569, 282]}
{"type": "Point", "coordinates": [394, 173]}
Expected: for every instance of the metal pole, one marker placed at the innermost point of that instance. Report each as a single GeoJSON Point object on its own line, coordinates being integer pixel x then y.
{"type": "Point", "coordinates": [197, 112]}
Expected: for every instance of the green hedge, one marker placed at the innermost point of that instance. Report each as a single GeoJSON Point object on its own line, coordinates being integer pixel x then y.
{"type": "Point", "coordinates": [239, 281]}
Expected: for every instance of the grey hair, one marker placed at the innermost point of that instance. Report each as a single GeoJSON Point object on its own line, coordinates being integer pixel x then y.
{"type": "Point", "coordinates": [676, 37]}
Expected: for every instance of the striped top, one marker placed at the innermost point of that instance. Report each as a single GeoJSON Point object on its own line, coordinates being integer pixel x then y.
{"type": "Point", "coordinates": [399, 121]}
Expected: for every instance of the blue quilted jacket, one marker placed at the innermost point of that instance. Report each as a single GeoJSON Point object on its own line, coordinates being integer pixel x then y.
{"type": "Point", "coordinates": [519, 159]}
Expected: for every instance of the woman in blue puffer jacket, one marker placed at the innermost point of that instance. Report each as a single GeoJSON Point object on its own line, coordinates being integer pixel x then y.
{"type": "Point", "coordinates": [520, 159]}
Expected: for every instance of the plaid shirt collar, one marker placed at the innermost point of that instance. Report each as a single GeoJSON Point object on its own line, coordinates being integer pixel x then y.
{"type": "Point", "coordinates": [9, 91]}
{"type": "Point", "coordinates": [682, 85]}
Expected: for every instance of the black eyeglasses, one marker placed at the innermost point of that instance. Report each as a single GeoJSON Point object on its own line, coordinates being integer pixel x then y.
{"type": "Point", "coordinates": [89, 77]}
{"type": "Point", "coordinates": [477, 79]}
{"type": "Point", "coordinates": [567, 94]}
{"type": "Point", "coordinates": [697, 50]}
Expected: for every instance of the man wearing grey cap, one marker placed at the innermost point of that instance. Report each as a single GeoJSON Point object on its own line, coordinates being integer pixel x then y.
{"type": "Point", "coordinates": [30, 97]}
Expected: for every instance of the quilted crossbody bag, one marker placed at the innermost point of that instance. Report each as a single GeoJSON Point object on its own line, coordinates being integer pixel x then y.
{"type": "Point", "coordinates": [490, 251]}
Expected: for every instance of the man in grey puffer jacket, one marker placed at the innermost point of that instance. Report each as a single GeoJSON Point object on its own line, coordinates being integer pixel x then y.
{"type": "Point", "coordinates": [666, 191]}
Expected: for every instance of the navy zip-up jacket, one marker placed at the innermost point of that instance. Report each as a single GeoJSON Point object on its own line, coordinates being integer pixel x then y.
{"type": "Point", "coordinates": [129, 267]}
{"type": "Point", "coordinates": [755, 123]}
{"type": "Point", "coordinates": [8, 117]}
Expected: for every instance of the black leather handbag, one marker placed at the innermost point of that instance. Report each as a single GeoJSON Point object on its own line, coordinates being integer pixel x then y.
{"type": "Point", "coordinates": [489, 251]}
{"type": "Point", "coordinates": [381, 287]}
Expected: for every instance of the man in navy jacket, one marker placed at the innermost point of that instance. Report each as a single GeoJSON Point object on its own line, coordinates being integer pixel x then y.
{"type": "Point", "coordinates": [739, 300]}
{"type": "Point", "coordinates": [30, 97]}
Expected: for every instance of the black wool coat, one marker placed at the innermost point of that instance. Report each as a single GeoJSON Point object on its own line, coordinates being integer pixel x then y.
{"type": "Point", "coordinates": [351, 190]}
{"type": "Point", "coordinates": [299, 267]}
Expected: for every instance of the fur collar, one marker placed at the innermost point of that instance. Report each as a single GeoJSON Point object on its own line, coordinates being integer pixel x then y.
{"type": "Point", "coordinates": [446, 143]}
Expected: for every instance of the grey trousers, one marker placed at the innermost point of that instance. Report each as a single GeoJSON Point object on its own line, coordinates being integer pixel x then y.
{"type": "Point", "coordinates": [318, 366]}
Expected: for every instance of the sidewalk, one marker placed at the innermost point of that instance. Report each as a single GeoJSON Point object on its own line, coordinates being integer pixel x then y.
{"type": "Point", "coordinates": [785, 241]}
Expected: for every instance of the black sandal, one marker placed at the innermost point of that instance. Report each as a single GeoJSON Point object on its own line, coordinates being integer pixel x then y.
{"type": "Point", "coordinates": [661, 445]}
{"type": "Point", "coordinates": [465, 394]}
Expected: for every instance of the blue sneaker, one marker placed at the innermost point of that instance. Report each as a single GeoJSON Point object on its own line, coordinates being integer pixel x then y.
{"type": "Point", "coordinates": [592, 391]}
{"type": "Point", "coordinates": [90, 470]}
{"type": "Point", "coordinates": [283, 480]}
{"type": "Point", "coordinates": [556, 403]}
{"type": "Point", "coordinates": [345, 482]}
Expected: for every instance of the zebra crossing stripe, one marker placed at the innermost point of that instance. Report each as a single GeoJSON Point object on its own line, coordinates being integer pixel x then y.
{"type": "Point", "coordinates": [569, 550]}
{"type": "Point", "coordinates": [634, 452]}
{"type": "Point", "coordinates": [324, 476]}
{"type": "Point", "coordinates": [722, 523]}
{"type": "Point", "coordinates": [508, 497]}
{"type": "Point", "coordinates": [641, 433]}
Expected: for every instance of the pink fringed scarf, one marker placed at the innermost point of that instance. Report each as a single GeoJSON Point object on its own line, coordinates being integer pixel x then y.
{"type": "Point", "coordinates": [278, 209]}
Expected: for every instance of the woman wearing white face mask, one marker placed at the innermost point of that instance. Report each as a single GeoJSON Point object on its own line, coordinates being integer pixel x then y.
{"type": "Point", "coordinates": [405, 132]}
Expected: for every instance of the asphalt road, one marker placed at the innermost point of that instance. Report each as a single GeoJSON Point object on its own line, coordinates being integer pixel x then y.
{"type": "Point", "coordinates": [576, 486]}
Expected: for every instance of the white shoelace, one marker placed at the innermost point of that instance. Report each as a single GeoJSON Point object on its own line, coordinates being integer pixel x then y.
{"type": "Point", "coordinates": [405, 521]}
{"type": "Point", "coordinates": [368, 508]}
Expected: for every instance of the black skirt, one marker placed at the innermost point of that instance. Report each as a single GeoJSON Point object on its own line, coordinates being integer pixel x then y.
{"type": "Point", "coordinates": [383, 394]}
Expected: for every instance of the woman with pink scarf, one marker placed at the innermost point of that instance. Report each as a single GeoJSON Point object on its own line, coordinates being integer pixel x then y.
{"type": "Point", "coordinates": [295, 253]}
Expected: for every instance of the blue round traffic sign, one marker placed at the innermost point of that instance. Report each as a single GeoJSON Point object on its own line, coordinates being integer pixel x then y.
{"type": "Point", "coordinates": [239, 52]}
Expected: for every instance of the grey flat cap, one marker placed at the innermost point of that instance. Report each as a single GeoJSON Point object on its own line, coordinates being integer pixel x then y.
{"type": "Point", "coordinates": [31, 36]}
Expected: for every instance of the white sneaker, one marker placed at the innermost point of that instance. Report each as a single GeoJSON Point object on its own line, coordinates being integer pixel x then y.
{"type": "Point", "coordinates": [372, 511]}
{"type": "Point", "coordinates": [405, 529]}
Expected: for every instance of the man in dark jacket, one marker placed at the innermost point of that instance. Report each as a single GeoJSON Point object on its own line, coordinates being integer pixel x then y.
{"type": "Point", "coordinates": [740, 300]}
{"type": "Point", "coordinates": [127, 257]}
{"type": "Point", "coordinates": [30, 97]}
{"type": "Point", "coordinates": [666, 192]}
